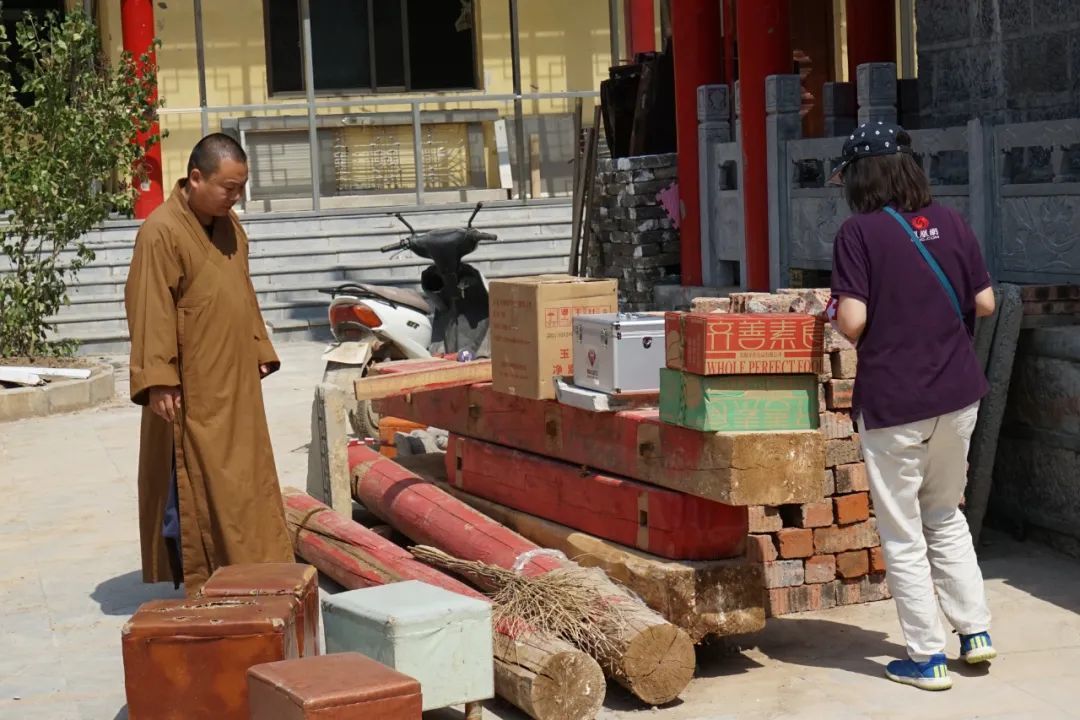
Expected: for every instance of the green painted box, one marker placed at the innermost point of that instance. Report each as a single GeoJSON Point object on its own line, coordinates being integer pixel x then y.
{"type": "Point", "coordinates": [730, 403]}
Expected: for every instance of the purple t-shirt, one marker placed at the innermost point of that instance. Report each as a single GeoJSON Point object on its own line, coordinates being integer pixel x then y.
{"type": "Point", "coordinates": [916, 359]}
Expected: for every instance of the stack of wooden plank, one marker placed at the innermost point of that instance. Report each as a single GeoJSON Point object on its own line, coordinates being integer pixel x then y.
{"type": "Point", "coordinates": [826, 553]}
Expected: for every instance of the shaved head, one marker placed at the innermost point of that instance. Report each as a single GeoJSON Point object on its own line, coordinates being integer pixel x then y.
{"type": "Point", "coordinates": [208, 154]}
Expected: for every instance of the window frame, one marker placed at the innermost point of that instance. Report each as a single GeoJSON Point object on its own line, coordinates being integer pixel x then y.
{"type": "Point", "coordinates": [373, 88]}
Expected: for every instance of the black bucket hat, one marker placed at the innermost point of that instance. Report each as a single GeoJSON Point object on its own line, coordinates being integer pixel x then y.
{"type": "Point", "coordinates": [868, 140]}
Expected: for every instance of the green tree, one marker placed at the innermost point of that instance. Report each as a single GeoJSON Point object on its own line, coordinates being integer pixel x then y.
{"type": "Point", "coordinates": [71, 134]}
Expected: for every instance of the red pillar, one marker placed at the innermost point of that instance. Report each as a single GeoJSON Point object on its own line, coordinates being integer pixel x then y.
{"type": "Point", "coordinates": [871, 32]}
{"type": "Point", "coordinates": [137, 24]}
{"type": "Point", "coordinates": [695, 37]}
{"type": "Point", "coordinates": [764, 49]}
{"type": "Point", "coordinates": [640, 26]}
{"type": "Point", "coordinates": [728, 10]}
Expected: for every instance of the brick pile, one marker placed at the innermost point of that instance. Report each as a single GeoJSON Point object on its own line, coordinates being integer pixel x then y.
{"type": "Point", "coordinates": [634, 240]}
{"type": "Point", "coordinates": [826, 554]}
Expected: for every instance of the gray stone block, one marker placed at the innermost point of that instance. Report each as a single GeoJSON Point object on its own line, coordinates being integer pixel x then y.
{"type": "Point", "coordinates": [714, 132]}
{"type": "Point", "coordinates": [738, 101]}
{"type": "Point", "coordinates": [1052, 14]}
{"type": "Point", "coordinates": [943, 21]}
{"type": "Point", "coordinates": [647, 187]}
{"type": "Point", "coordinates": [1037, 67]}
{"type": "Point", "coordinates": [102, 386]}
{"type": "Point", "coordinates": [839, 126]}
{"type": "Point", "coordinates": [783, 94]}
{"type": "Point", "coordinates": [1015, 16]}
{"type": "Point", "coordinates": [645, 161]}
{"type": "Point", "coordinates": [20, 403]}
{"type": "Point", "coordinates": [68, 396]}
{"type": "Point", "coordinates": [876, 84]}
{"type": "Point", "coordinates": [713, 103]}
{"type": "Point", "coordinates": [839, 99]}
{"type": "Point", "coordinates": [871, 114]}
{"type": "Point", "coordinates": [660, 173]}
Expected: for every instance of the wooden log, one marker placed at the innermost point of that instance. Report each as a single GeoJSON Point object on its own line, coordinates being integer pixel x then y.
{"type": "Point", "coordinates": [420, 375]}
{"type": "Point", "coordinates": [749, 468]}
{"type": "Point", "coordinates": [545, 677]}
{"type": "Point", "coordinates": [650, 657]}
{"type": "Point", "coordinates": [718, 597]}
{"type": "Point", "coordinates": [673, 525]}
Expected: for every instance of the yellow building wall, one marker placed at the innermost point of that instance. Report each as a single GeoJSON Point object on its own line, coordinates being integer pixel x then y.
{"type": "Point", "coordinates": [565, 46]}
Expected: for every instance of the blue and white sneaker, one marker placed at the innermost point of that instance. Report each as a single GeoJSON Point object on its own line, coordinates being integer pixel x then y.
{"type": "Point", "coordinates": [977, 648]}
{"type": "Point", "coordinates": [930, 675]}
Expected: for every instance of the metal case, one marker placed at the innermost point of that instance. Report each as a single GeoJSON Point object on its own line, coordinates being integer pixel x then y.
{"type": "Point", "coordinates": [618, 353]}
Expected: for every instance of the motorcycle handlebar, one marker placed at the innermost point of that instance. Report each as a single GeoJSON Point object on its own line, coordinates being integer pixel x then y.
{"type": "Point", "coordinates": [486, 237]}
{"type": "Point", "coordinates": [392, 247]}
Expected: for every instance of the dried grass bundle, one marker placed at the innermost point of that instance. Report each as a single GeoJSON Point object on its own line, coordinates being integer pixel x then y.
{"type": "Point", "coordinates": [565, 602]}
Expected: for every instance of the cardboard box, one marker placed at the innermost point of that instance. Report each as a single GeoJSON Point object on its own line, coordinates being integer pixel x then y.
{"type": "Point", "coordinates": [733, 403]}
{"type": "Point", "coordinates": [532, 328]}
{"type": "Point", "coordinates": [744, 344]}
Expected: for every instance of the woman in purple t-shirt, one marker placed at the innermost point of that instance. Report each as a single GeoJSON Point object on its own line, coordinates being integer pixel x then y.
{"type": "Point", "coordinates": [908, 281]}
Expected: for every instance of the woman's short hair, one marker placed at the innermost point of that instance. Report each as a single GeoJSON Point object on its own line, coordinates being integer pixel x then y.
{"type": "Point", "coordinates": [871, 183]}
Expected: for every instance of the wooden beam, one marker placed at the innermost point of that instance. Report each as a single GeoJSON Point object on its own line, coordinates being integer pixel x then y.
{"type": "Point", "coordinates": [714, 597]}
{"type": "Point", "coordinates": [409, 376]}
{"type": "Point", "coordinates": [667, 523]}
{"type": "Point", "coordinates": [751, 468]}
{"type": "Point", "coordinates": [542, 675]}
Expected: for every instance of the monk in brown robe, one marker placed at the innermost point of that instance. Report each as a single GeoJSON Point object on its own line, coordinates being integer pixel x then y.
{"type": "Point", "coordinates": [208, 487]}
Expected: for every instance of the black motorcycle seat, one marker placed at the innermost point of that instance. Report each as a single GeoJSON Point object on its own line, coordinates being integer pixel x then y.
{"type": "Point", "coordinates": [399, 296]}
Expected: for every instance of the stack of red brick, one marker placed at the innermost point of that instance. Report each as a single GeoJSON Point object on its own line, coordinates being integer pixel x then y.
{"type": "Point", "coordinates": [818, 555]}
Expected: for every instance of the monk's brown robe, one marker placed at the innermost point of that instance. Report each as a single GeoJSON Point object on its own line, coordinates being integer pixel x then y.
{"type": "Point", "coordinates": [195, 323]}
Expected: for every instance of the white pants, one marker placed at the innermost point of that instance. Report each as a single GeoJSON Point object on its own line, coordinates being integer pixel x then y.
{"type": "Point", "coordinates": [917, 477]}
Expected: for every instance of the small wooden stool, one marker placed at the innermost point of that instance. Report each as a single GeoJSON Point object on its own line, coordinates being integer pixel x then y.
{"type": "Point", "coordinates": [259, 579]}
{"type": "Point", "coordinates": [188, 660]}
{"type": "Point", "coordinates": [342, 686]}
{"type": "Point", "coordinates": [442, 639]}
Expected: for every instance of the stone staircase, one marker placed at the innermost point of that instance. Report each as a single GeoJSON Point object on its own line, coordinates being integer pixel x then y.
{"type": "Point", "coordinates": [293, 256]}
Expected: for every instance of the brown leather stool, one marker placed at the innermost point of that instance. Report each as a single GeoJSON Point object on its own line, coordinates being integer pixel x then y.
{"type": "Point", "coordinates": [295, 579]}
{"type": "Point", "coordinates": [340, 686]}
{"type": "Point", "coordinates": [188, 659]}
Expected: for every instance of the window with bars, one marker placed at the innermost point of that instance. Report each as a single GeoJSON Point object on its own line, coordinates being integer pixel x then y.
{"type": "Point", "coordinates": [368, 46]}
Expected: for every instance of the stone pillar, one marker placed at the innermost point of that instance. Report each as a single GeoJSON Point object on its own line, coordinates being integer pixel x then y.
{"type": "Point", "coordinates": [876, 90]}
{"type": "Point", "coordinates": [714, 126]}
{"type": "Point", "coordinates": [783, 100]}
{"type": "Point", "coordinates": [840, 108]}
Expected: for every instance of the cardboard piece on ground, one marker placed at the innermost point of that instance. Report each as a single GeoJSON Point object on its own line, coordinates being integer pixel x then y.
{"type": "Point", "coordinates": [732, 403]}
{"type": "Point", "coordinates": [750, 468]}
{"type": "Point", "coordinates": [419, 376]}
{"type": "Point", "coordinates": [670, 524]}
{"type": "Point", "coordinates": [712, 597]}
{"type": "Point", "coordinates": [531, 326]}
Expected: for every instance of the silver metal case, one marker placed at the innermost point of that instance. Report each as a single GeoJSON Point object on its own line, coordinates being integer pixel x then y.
{"type": "Point", "coordinates": [618, 353]}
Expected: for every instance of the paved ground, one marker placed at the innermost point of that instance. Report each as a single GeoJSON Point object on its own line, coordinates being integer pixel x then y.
{"type": "Point", "coordinates": [69, 566]}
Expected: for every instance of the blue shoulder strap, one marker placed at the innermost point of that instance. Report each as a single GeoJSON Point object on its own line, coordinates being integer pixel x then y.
{"type": "Point", "coordinates": [929, 261]}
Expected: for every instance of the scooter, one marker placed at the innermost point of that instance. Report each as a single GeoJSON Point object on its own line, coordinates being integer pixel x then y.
{"type": "Point", "coordinates": [376, 323]}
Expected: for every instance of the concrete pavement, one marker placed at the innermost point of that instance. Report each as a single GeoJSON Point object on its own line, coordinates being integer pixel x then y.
{"type": "Point", "coordinates": [69, 579]}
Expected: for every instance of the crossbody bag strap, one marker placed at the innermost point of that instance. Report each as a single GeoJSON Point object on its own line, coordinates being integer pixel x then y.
{"type": "Point", "coordinates": [942, 278]}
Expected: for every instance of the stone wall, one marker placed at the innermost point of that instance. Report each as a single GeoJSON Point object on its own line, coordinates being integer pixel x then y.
{"type": "Point", "coordinates": [634, 239]}
{"type": "Point", "coordinates": [999, 60]}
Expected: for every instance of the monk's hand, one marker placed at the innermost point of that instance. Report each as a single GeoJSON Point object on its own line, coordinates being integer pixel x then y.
{"type": "Point", "coordinates": [165, 402]}
{"type": "Point", "coordinates": [264, 370]}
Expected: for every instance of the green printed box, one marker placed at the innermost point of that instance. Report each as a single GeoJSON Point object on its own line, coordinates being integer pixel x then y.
{"type": "Point", "coordinates": [730, 403]}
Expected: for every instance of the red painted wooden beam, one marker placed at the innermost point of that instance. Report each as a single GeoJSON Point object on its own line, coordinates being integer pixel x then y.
{"type": "Point", "coordinates": [137, 27]}
{"type": "Point", "coordinates": [640, 26]}
{"type": "Point", "coordinates": [871, 33]}
{"type": "Point", "coordinates": [662, 522]}
{"type": "Point", "coordinates": [747, 468]}
{"type": "Point", "coordinates": [764, 49]}
{"type": "Point", "coordinates": [695, 35]}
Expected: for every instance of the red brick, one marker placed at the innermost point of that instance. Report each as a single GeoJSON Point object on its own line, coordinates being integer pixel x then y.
{"type": "Point", "coordinates": [836, 425]}
{"type": "Point", "coordinates": [795, 543]}
{"type": "Point", "coordinates": [828, 483]}
{"type": "Point", "coordinates": [844, 363]}
{"type": "Point", "coordinates": [838, 394]}
{"type": "Point", "coordinates": [1031, 293]}
{"type": "Point", "coordinates": [877, 560]}
{"type": "Point", "coordinates": [820, 569]}
{"type": "Point", "coordinates": [805, 598]}
{"type": "Point", "coordinates": [850, 592]}
{"type": "Point", "coordinates": [834, 341]}
{"type": "Point", "coordinates": [760, 548]}
{"type": "Point", "coordinates": [832, 540]}
{"type": "Point", "coordinates": [822, 406]}
{"type": "Point", "coordinates": [851, 509]}
{"type": "Point", "coordinates": [815, 515]}
{"type": "Point", "coordinates": [783, 573]}
{"type": "Point", "coordinates": [851, 478]}
{"type": "Point", "coordinates": [764, 519]}
{"type": "Point", "coordinates": [853, 564]}
{"type": "Point", "coordinates": [876, 588]}
{"type": "Point", "coordinates": [841, 452]}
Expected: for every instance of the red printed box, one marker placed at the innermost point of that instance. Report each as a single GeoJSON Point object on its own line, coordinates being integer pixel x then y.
{"type": "Point", "coordinates": [744, 344]}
